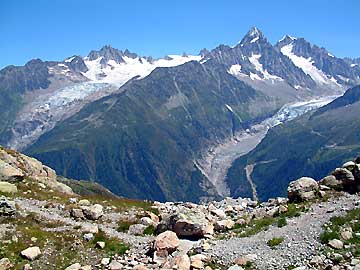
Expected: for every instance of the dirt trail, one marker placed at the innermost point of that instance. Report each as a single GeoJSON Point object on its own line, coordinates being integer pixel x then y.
{"type": "Point", "coordinates": [301, 237]}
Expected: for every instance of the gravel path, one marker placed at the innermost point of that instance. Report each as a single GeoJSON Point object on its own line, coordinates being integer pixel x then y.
{"type": "Point", "coordinates": [300, 238]}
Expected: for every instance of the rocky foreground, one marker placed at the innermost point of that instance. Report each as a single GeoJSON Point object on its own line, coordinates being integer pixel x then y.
{"type": "Point", "coordinates": [45, 224]}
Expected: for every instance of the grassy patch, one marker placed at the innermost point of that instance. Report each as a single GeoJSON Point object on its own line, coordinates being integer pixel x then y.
{"type": "Point", "coordinates": [112, 245]}
{"type": "Point", "coordinates": [150, 230]}
{"type": "Point", "coordinates": [124, 225]}
{"type": "Point", "coordinates": [281, 222]}
{"type": "Point", "coordinates": [275, 242]}
{"type": "Point", "coordinates": [332, 230]}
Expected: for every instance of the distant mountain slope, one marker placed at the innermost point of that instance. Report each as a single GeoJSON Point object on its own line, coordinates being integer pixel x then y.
{"type": "Point", "coordinates": [311, 145]}
{"type": "Point", "coordinates": [142, 142]}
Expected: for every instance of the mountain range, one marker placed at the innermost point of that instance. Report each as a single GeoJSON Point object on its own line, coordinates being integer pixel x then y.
{"type": "Point", "coordinates": [141, 126]}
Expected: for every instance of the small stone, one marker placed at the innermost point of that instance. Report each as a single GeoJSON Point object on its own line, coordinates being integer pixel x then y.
{"type": "Point", "coordinates": [75, 266]}
{"type": "Point", "coordinates": [31, 253]}
{"type": "Point", "coordinates": [5, 264]}
{"type": "Point", "coordinates": [336, 243]}
{"type": "Point", "coordinates": [7, 207]}
{"type": "Point", "coordinates": [73, 200]}
{"type": "Point", "coordinates": [89, 228]}
{"type": "Point", "coordinates": [27, 267]}
{"type": "Point", "coordinates": [235, 267]}
{"type": "Point", "coordinates": [100, 244]}
{"type": "Point", "coordinates": [105, 261]}
{"type": "Point", "coordinates": [88, 236]}
{"type": "Point", "coordinates": [140, 267]}
{"type": "Point", "coordinates": [115, 265]}
{"type": "Point", "coordinates": [84, 202]}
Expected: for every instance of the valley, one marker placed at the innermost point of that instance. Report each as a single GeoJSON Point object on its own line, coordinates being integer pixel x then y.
{"type": "Point", "coordinates": [219, 158]}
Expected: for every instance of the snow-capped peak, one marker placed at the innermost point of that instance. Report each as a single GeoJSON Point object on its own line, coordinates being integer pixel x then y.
{"type": "Point", "coordinates": [254, 32]}
{"type": "Point", "coordinates": [287, 38]}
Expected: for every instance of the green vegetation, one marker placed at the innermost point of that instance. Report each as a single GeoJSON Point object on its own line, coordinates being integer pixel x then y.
{"type": "Point", "coordinates": [332, 230]}
{"type": "Point", "coordinates": [275, 242]}
{"type": "Point", "coordinates": [281, 222]}
{"type": "Point", "coordinates": [124, 225]}
{"type": "Point", "coordinates": [112, 245]}
{"type": "Point", "coordinates": [150, 230]}
{"type": "Point", "coordinates": [257, 225]}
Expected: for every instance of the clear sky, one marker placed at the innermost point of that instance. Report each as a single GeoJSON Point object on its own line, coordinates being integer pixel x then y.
{"type": "Point", "coordinates": [56, 29]}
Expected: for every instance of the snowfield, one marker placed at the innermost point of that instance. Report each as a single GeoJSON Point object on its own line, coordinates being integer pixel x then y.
{"type": "Point", "coordinates": [118, 74]}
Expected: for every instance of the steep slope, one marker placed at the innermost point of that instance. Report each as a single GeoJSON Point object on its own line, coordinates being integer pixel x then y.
{"type": "Point", "coordinates": [310, 145]}
{"type": "Point", "coordinates": [142, 142]}
{"type": "Point", "coordinates": [323, 67]}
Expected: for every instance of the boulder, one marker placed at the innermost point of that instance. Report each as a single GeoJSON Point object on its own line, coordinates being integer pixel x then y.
{"type": "Point", "coordinates": [93, 212]}
{"type": "Point", "coordinates": [197, 261]}
{"type": "Point", "coordinates": [188, 223]}
{"type": "Point", "coordinates": [343, 174]}
{"type": "Point", "coordinates": [6, 187]}
{"type": "Point", "coordinates": [10, 173]}
{"type": "Point", "coordinates": [180, 262]}
{"type": "Point", "coordinates": [219, 213]}
{"type": "Point", "coordinates": [77, 213]}
{"type": "Point", "coordinates": [148, 222]}
{"type": "Point", "coordinates": [167, 241]}
{"type": "Point", "coordinates": [347, 179]}
{"type": "Point", "coordinates": [7, 207]}
{"type": "Point", "coordinates": [302, 189]}
{"type": "Point", "coordinates": [224, 225]}
{"type": "Point", "coordinates": [350, 165]}
{"type": "Point", "coordinates": [331, 182]}
{"type": "Point", "coordinates": [31, 253]}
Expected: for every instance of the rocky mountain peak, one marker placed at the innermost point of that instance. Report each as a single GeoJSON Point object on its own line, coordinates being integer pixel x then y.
{"type": "Point", "coordinates": [254, 35]}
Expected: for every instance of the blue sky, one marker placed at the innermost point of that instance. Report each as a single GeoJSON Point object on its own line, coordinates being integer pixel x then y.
{"type": "Point", "coordinates": [55, 29]}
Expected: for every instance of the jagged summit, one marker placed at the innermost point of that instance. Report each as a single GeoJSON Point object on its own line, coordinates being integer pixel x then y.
{"type": "Point", "coordinates": [252, 36]}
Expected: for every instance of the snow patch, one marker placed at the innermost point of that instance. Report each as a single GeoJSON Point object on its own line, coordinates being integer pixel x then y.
{"type": "Point", "coordinates": [69, 59]}
{"type": "Point", "coordinates": [235, 70]}
{"type": "Point", "coordinates": [353, 65]}
{"type": "Point", "coordinates": [254, 39]}
{"type": "Point", "coordinates": [229, 108]}
{"type": "Point", "coordinates": [329, 54]}
{"type": "Point", "coordinates": [306, 64]}
{"type": "Point", "coordinates": [284, 37]}
{"type": "Point", "coordinates": [254, 59]}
